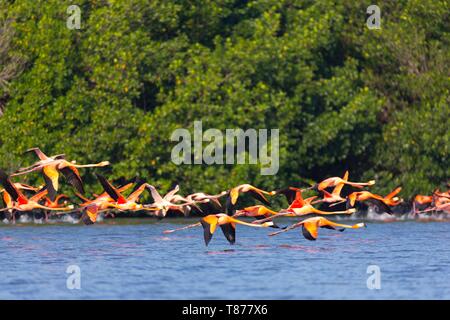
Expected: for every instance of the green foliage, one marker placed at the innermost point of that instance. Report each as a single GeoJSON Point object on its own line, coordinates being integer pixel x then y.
{"type": "Point", "coordinates": [343, 96]}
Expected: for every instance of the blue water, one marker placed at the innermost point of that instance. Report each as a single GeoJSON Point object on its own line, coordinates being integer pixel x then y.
{"type": "Point", "coordinates": [138, 261]}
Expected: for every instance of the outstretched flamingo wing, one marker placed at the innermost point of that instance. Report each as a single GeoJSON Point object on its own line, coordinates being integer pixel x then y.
{"type": "Point", "coordinates": [258, 195]}
{"type": "Point", "coordinates": [229, 231]}
{"type": "Point", "coordinates": [73, 176]}
{"type": "Point", "coordinates": [38, 196]}
{"type": "Point", "coordinates": [381, 204]}
{"type": "Point", "coordinates": [39, 153]}
{"type": "Point", "coordinates": [51, 177]}
{"type": "Point", "coordinates": [310, 199]}
{"type": "Point", "coordinates": [209, 224]}
{"type": "Point", "coordinates": [112, 192]}
{"type": "Point", "coordinates": [133, 197]}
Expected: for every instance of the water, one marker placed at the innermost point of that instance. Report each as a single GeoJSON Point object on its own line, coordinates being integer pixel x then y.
{"type": "Point", "coordinates": [131, 260]}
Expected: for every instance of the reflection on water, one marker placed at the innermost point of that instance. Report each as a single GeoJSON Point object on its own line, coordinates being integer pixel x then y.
{"type": "Point", "coordinates": [138, 261]}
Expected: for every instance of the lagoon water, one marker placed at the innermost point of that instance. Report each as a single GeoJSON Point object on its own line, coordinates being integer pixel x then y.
{"type": "Point", "coordinates": [135, 260]}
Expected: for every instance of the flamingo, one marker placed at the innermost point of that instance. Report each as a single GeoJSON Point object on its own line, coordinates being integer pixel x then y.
{"type": "Point", "coordinates": [256, 193]}
{"type": "Point", "coordinates": [441, 197]}
{"type": "Point", "coordinates": [21, 202]}
{"type": "Point", "coordinates": [334, 181]}
{"type": "Point", "coordinates": [257, 212]}
{"type": "Point", "coordinates": [52, 166]}
{"type": "Point", "coordinates": [190, 200]}
{"type": "Point", "coordinates": [310, 227]}
{"type": "Point", "coordinates": [101, 203]}
{"type": "Point", "coordinates": [361, 196]}
{"type": "Point", "coordinates": [120, 202]}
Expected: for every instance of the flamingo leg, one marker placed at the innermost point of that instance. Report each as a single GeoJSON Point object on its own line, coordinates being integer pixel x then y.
{"type": "Point", "coordinates": [293, 226]}
{"type": "Point", "coordinates": [184, 228]}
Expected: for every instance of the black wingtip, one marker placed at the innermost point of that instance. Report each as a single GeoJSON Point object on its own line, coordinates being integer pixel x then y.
{"type": "Point", "coordinates": [3, 174]}
{"type": "Point", "coordinates": [348, 204]}
{"type": "Point", "coordinates": [307, 235]}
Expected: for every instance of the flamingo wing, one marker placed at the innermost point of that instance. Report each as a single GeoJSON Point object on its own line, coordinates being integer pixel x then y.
{"type": "Point", "coordinates": [73, 176]}
{"type": "Point", "coordinates": [51, 177]}
{"type": "Point", "coordinates": [393, 193]}
{"type": "Point", "coordinates": [171, 193]}
{"type": "Point", "coordinates": [110, 190]}
{"type": "Point", "coordinates": [7, 201]}
{"type": "Point", "coordinates": [233, 196]}
{"type": "Point", "coordinates": [258, 195]}
{"type": "Point", "coordinates": [337, 190]}
{"type": "Point", "coordinates": [155, 194]}
{"type": "Point", "coordinates": [310, 230]}
{"type": "Point", "coordinates": [38, 196]}
{"type": "Point", "coordinates": [229, 231]}
{"type": "Point", "coordinates": [39, 153]}
{"type": "Point", "coordinates": [15, 193]}
{"type": "Point", "coordinates": [381, 204]}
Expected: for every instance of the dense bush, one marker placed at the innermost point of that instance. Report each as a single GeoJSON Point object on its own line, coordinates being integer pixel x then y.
{"type": "Point", "coordinates": [375, 102]}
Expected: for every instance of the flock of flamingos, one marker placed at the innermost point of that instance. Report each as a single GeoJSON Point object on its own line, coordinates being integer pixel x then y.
{"type": "Point", "coordinates": [215, 213]}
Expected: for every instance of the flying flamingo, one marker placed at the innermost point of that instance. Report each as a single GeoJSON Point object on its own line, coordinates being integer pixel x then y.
{"type": "Point", "coordinates": [52, 166]}
{"type": "Point", "coordinates": [361, 196]}
{"type": "Point", "coordinates": [310, 227]}
{"type": "Point", "coordinates": [226, 223]}
{"type": "Point", "coordinates": [335, 195]}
